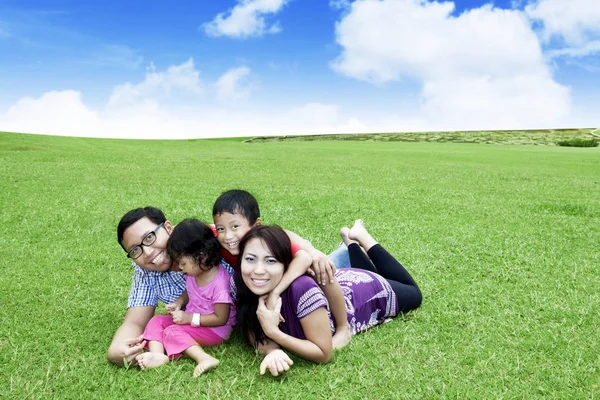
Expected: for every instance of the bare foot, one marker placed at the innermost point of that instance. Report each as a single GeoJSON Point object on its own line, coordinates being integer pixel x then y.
{"type": "Point", "coordinates": [344, 234]}
{"type": "Point", "coordinates": [205, 364]}
{"type": "Point", "coordinates": [342, 337]}
{"type": "Point", "coordinates": [151, 360]}
{"type": "Point", "coordinates": [361, 235]}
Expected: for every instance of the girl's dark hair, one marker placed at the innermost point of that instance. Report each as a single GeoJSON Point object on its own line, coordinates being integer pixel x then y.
{"type": "Point", "coordinates": [278, 243]}
{"type": "Point", "coordinates": [193, 238]}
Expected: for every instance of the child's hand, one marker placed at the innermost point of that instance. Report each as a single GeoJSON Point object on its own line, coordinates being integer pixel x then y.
{"type": "Point", "coordinates": [277, 362]}
{"type": "Point", "coordinates": [272, 303]}
{"type": "Point", "coordinates": [182, 318]}
{"type": "Point", "coordinates": [322, 269]}
{"type": "Point", "coordinates": [172, 307]}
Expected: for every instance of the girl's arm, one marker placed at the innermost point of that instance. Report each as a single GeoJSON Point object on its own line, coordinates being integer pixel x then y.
{"type": "Point", "coordinates": [317, 347]}
{"type": "Point", "coordinates": [218, 318]}
{"type": "Point", "coordinates": [177, 304]}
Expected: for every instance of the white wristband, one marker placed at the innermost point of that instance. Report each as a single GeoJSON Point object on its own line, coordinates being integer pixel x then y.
{"type": "Point", "coordinates": [196, 320]}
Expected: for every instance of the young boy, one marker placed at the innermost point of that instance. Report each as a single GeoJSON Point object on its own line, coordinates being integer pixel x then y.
{"type": "Point", "coordinates": [235, 212]}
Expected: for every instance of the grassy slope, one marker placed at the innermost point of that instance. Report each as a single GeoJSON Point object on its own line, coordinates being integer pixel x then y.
{"type": "Point", "coordinates": [503, 241]}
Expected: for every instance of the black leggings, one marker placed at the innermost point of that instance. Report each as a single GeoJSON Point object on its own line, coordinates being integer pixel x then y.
{"type": "Point", "coordinates": [381, 262]}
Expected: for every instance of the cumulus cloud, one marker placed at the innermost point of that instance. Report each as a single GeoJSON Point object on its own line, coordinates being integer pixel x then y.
{"type": "Point", "coordinates": [182, 78]}
{"type": "Point", "coordinates": [233, 85]}
{"type": "Point", "coordinates": [140, 110]}
{"type": "Point", "coordinates": [574, 24]}
{"type": "Point", "coordinates": [574, 20]}
{"type": "Point", "coordinates": [246, 19]}
{"type": "Point", "coordinates": [56, 112]}
{"type": "Point", "coordinates": [481, 69]}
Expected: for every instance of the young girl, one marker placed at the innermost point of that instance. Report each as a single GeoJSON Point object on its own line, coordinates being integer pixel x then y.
{"type": "Point", "coordinates": [376, 288]}
{"type": "Point", "coordinates": [209, 313]}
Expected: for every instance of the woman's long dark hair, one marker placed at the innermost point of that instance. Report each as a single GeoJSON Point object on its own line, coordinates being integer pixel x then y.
{"type": "Point", "coordinates": [277, 241]}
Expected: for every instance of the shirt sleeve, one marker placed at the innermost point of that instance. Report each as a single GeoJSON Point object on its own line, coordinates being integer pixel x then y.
{"type": "Point", "coordinates": [307, 295]}
{"type": "Point", "coordinates": [223, 292]}
{"type": "Point", "coordinates": [295, 248]}
{"type": "Point", "coordinates": [142, 292]}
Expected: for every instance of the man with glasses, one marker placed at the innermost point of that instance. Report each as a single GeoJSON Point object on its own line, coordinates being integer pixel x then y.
{"type": "Point", "coordinates": [143, 234]}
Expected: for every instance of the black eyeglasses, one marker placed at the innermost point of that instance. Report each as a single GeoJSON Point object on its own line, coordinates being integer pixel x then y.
{"type": "Point", "coordinates": [148, 240]}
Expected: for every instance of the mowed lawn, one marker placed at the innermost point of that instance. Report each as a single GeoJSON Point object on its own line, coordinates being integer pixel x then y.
{"type": "Point", "coordinates": [503, 240]}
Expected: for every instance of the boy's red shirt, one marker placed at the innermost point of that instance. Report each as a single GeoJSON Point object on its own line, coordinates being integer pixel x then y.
{"type": "Point", "coordinates": [233, 260]}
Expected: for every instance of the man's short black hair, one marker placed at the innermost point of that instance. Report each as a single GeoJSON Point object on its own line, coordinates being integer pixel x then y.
{"type": "Point", "coordinates": [237, 202]}
{"type": "Point", "coordinates": [131, 217]}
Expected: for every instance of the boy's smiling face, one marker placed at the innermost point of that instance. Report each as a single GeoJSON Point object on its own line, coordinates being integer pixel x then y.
{"type": "Point", "coordinates": [231, 228]}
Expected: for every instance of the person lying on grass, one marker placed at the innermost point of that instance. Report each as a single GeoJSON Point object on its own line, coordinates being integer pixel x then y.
{"type": "Point", "coordinates": [209, 313]}
{"type": "Point", "coordinates": [143, 235]}
{"type": "Point", "coordinates": [235, 212]}
{"type": "Point", "coordinates": [376, 288]}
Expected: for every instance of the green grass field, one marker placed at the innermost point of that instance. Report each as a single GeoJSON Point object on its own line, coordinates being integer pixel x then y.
{"type": "Point", "coordinates": [502, 239]}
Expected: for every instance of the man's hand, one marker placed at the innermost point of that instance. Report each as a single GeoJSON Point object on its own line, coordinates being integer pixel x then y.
{"type": "Point", "coordinates": [322, 269]}
{"type": "Point", "coordinates": [277, 362]}
{"type": "Point", "coordinates": [182, 318]}
{"type": "Point", "coordinates": [132, 348]}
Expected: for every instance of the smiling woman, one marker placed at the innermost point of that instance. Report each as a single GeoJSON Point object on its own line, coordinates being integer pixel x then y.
{"type": "Point", "coordinates": [377, 288]}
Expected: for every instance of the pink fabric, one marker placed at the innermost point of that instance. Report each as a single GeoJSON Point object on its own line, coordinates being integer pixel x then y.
{"type": "Point", "coordinates": [203, 299]}
{"type": "Point", "coordinates": [177, 338]}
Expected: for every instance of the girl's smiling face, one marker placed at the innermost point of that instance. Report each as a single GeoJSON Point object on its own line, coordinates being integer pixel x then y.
{"type": "Point", "coordinates": [261, 272]}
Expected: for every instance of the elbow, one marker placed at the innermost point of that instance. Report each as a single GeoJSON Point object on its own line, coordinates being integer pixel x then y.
{"type": "Point", "coordinates": [325, 358]}
{"type": "Point", "coordinates": [114, 357]}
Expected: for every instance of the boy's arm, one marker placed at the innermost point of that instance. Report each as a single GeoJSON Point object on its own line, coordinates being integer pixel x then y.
{"type": "Point", "coordinates": [298, 267]}
{"type": "Point", "coordinates": [128, 341]}
{"type": "Point", "coordinates": [322, 266]}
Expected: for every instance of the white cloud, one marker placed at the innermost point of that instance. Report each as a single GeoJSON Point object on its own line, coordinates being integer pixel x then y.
{"type": "Point", "coordinates": [142, 111]}
{"type": "Point", "coordinates": [574, 21]}
{"type": "Point", "coordinates": [483, 68]}
{"type": "Point", "coordinates": [182, 78]}
{"type": "Point", "coordinates": [233, 85]}
{"type": "Point", "coordinates": [57, 112]}
{"type": "Point", "coordinates": [568, 28]}
{"type": "Point", "coordinates": [246, 19]}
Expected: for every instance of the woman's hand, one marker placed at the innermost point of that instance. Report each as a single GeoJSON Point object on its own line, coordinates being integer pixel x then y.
{"type": "Point", "coordinates": [269, 319]}
{"type": "Point", "coordinates": [277, 362]}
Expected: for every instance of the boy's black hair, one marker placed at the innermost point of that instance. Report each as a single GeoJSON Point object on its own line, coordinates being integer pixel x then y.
{"type": "Point", "coordinates": [195, 239]}
{"type": "Point", "coordinates": [237, 202]}
{"type": "Point", "coordinates": [131, 217]}
{"type": "Point", "coordinates": [278, 243]}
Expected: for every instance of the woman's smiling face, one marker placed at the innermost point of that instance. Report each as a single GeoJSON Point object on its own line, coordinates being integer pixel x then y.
{"type": "Point", "coordinates": [261, 272]}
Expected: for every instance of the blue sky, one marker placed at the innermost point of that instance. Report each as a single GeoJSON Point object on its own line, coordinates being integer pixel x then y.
{"type": "Point", "coordinates": [152, 69]}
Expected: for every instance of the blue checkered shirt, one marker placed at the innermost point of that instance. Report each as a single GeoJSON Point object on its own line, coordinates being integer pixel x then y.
{"type": "Point", "coordinates": [150, 286]}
